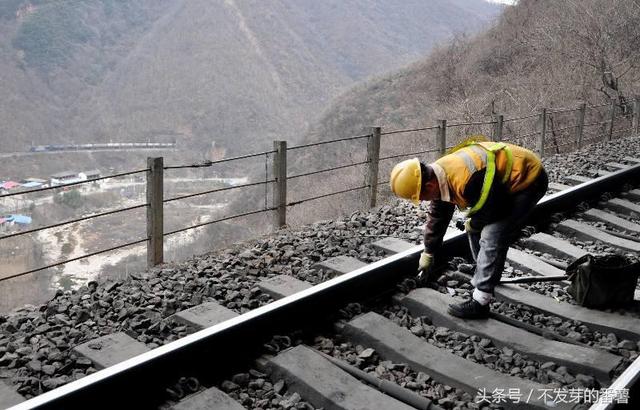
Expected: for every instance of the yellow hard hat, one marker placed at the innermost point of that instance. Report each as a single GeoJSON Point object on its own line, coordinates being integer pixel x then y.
{"type": "Point", "coordinates": [406, 180]}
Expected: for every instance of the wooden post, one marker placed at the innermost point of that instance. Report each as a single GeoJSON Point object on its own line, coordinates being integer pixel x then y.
{"type": "Point", "coordinates": [155, 228]}
{"type": "Point", "coordinates": [543, 132]}
{"type": "Point", "coordinates": [373, 148]}
{"type": "Point", "coordinates": [636, 115]}
{"type": "Point", "coordinates": [280, 187]}
{"type": "Point", "coordinates": [442, 137]}
{"type": "Point", "coordinates": [612, 116]}
{"type": "Point", "coordinates": [497, 127]}
{"type": "Point", "coordinates": [582, 107]}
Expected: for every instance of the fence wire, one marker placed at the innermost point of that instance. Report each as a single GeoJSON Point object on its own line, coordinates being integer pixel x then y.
{"type": "Point", "coordinates": [88, 255]}
{"type": "Point", "coordinates": [326, 195]}
{"type": "Point", "coordinates": [72, 221]}
{"type": "Point", "coordinates": [88, 181]}
{"type": "Point", "coordinates": [315, 144]}
{"type": "Point", "coordinates": [219, 161]}
{"type": "Point", "coordinates": [327, 170]}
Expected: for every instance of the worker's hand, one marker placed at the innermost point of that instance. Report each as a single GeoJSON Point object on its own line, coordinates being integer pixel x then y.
{"type": "Point", "coordinates": [468, 228]}
{"type": "Point", "coordinates": [426, 259]}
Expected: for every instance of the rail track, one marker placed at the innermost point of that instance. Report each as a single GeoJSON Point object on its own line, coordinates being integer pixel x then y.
{"type": "Point", "coordinates": [538, 350]}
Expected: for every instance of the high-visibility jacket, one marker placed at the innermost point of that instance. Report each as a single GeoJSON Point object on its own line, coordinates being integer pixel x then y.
{"type": "Point", "coordinates": [515, 166]}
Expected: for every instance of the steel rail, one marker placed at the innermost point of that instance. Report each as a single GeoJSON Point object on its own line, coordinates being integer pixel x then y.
{"type": "Point", "coordinates": [138, 382]}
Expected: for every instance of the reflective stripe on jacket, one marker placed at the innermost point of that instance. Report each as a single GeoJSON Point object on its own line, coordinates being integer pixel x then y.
{"type": "Point", "coordinates": [460, 165]}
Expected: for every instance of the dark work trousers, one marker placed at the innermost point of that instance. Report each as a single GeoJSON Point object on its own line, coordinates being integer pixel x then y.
{"type": "Point", "coordinates": [489, 246]}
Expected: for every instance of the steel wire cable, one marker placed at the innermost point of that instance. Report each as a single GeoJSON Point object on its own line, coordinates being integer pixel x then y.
{"type": "Point", "coordinates": [327, 170]}
{"type": "Point", "coordinates": [433, 127]}
{"type": "Point", "coordinates": [219, 220]}
{"type": "Point", "coordinates": [409, 153]}
{"type": "Point", "coordinates": [84, 218]}
{"type": "Point", "coordinates": [326, 195]}
{"type": "Point", "coordinates": [520, 118]}
{"type": "Point", "coordinates": [596, 123]}
{"type": "Point", "coordinates": [217, 190]}
{"type": "Point", "coordinates": [471, 123]}
{"type": "Point", "coordinates": [315, 144]}
{"type": "Point", "coordinates": [220, 161]}
{"type": "Point", "coordinates": [519, 137]}
{"type": "Point", "coordinates": [599, 106]}
{"type": "Point", "coordinates": [53, 265]}
{"type": "Point", "coordinates": [562, 110]}
{"type": "Point", "coordinates": [563, 128]}
{"type": "Point", "coordinates": [88, 181]}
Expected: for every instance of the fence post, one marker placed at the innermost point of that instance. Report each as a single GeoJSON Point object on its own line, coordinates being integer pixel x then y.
{"type": "Point", "coordinates": [582, 107]}
{"type": "Point", "coordinates": [612, 116]}
{"type": "Point", "coordinates": [373, 148]}
{"type": "Point", "coordinates": [155, 228]}
{"type": "Point", "coordinates": [636, 115]}
{"type": "Point", "coordinates": [497, 127]}
{"type": "Point", "coordinates": [280, 187]}
{"type": "Point", "coordinates": [543, 132]}
{"type": "Point", "coordinates": [442, 136]}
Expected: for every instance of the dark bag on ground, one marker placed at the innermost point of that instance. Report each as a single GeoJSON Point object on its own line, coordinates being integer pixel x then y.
{"type": "Point", "coordinates": [603, 281]}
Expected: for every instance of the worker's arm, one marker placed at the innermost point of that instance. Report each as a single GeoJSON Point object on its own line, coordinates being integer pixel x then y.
{"type": "Point", "coordinates": [438, 216]}
{"type": "Point", "coordinates": [497, 203]}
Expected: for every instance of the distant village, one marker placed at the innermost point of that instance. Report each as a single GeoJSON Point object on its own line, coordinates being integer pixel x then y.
{"type": "Point", "coordinates": [10, 221]}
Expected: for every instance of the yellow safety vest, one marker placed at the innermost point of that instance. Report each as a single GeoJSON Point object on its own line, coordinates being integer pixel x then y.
{"type": "Point", "coordinates": [517, 168]}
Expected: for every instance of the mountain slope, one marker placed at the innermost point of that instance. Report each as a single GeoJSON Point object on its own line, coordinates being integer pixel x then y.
{"type": "Point", "coordinates": [237, 73]}
{"type": "Point", "coordinates": [539, 54]}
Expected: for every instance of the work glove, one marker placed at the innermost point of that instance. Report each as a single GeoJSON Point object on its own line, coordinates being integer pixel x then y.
{"type": "Point", "coordinates": [424, 268]}
{"type": "Point", "coordinates": [426, 259]}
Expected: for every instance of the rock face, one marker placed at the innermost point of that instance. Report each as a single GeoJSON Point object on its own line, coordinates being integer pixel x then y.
{"type": "Point", "coordinates": [36, 341]}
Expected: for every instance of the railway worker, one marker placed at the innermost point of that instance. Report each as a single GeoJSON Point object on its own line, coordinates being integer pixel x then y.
{"type": "Point", "coordinates": [498, 184]}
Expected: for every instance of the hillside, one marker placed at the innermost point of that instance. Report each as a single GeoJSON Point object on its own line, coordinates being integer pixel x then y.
{"type": "Point", "coordinates": [539, 54]}
{"type": "Point", "coordinates": [233, 73]}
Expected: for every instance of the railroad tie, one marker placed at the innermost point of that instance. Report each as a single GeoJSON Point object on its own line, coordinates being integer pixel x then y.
{"type": "Point", "coordinates": [557, 247]}
{"type": "Point", "coordinates": [111, 349]}
{"type": "Point", "coordinates": [623, 326]}
{"type": "Point", "coordinates": [583, 231]}
{"type": "Point", "coordinates": [323, 384]}
{"type": "Point", "coordinates": [204, 315]}
{"type": "Point", "coordinates": [623, 206]}
{"type": "Point", "coordinates": [211, 398]}
{"type": "Point", "coordinates": [528, 263]}
{"type": "Point", "coordinates": [576, 179]}
{"type": "Point", "coordinates": [558, 187]}
{"type": "Point", "coordinates": [340, 264]}
{"type": "Point", "coordinates": [617, 165]}
{"type": "Point", "coordinates": [598, 215]}
{"type": "Point", "coordinates": [396, 343]}
{"type": "Point", "coordinates": [9, 396]}
{"type": "Point", "coordinates": [603, 172]}
{"type": "Point", "coordinates": [633, 195]}
{"type": "Point", "coordinates": [281, 286]}
{"type": "Point", "coordinates": [393, 245]}
{"type": "Point", "coordinates": [433, 304]}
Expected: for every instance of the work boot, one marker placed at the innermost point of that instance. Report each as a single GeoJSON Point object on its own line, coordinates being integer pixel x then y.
{"type": "Point", "coordinates": [469, 309]}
